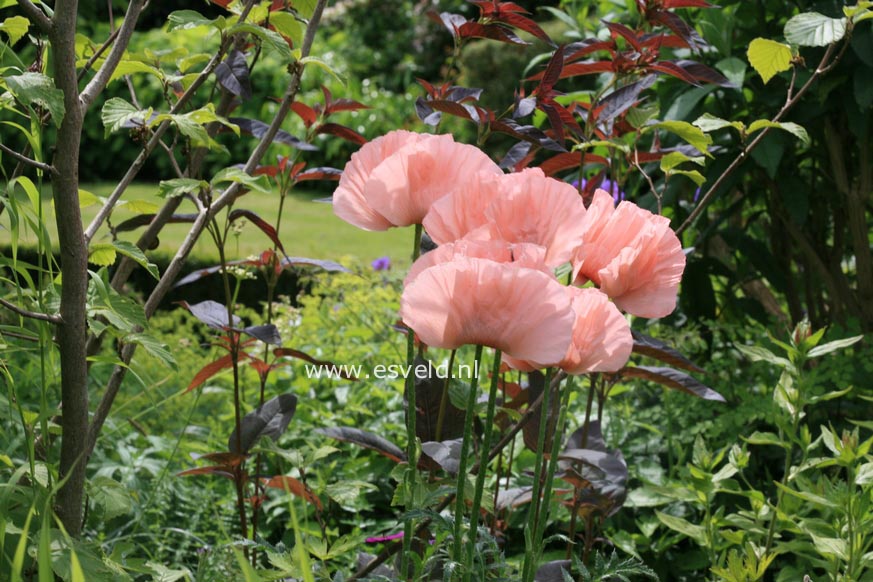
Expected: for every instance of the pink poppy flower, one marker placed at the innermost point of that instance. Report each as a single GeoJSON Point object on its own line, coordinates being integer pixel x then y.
{"type": "Point", "coordinates": [523, 254]}
{"type": "Point", "coordinates": [522, 312]}
{"type": "Point", "coordinates": [399, 187]}
{"type": "Point", "coordinates": [602, 340]}
{"type": "Point", "coordinates": [524, 207]}
{"type": "Point", "coordinates": [632, 255]}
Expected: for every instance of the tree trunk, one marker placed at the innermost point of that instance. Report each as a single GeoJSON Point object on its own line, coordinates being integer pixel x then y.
{"type": "Point", "coordinates": [72, 332]}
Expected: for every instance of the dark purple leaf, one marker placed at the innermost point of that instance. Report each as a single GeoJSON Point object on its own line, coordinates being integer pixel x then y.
{"type": "Point", "coordinates": [343, 132]}
{"type": "Point", "coordinates": [146, 219]}
{"type": "Point", "coordinates": [582, 48]}
{"type": "Point", "coordinates": [456, 109]}
{"type": "Point", "coordinates": [673, 70]}
{"type": "Point", "coordinates": [675, 23]}
{"type": "Point", "coordinates": [269, 420]}
{"type": "Point", "coordinates": [200, 273]}
{"type": "Point", "coordinates": [262, 224]}
{"type": "Point", "coordinates": [705, 74]}
{"type": "Point", "coordinates": [211, 313]}
{"type": "Point", "coordinates": [430, 397]}
{"type": "Point", "coordinates": [552, 72]}
{"type": "Point", "coordinates": [622, 99]}
{"type": "Point", "coordinates": [531, 430]}
{"type": "Point", "coordinates": [524, 107]}
{"type": "Point", "coordinates": [446, 454]}
{"type": "Point", "coordinates": [496, 32]}
{"type": "Point", "coordinates": [653, 348]}
{"type": "Point", "coordinates": [269, 334]}
{"type": "Point", "coordinates": [592, 440]}
{"type": "Point", "coordinates": [618, 29]}
{"type": "Point", "coordinates": [460, 94]}
{"type": "Point", "coordinates": [570, 160]}
{"type": "Point", "coordinates": [453, 22]}
{"type": "Point", "coordinates": [672, 379]}
{"type": "Point", "coordinates": [515, 497]}
{"type": "Point", "coordinates": [365, 439]}
{"type": "Point", "coordinates": [553, 571]}
{"type": "Point", "coordinates": [292, 353]}
{"type": "Point", "coordinates": [257, 129]}
{"type": "Point", "coordinates": [321, 263]}
{"type": "Point", "coordinates": [233, 75]}
{"type": "Point", "coordinates": [515, 155]}
{"type": "Point", "coordinates": [527, 133]}
{"type": "Point", "coordinates": [526, 24]}
{"type": "Point", "coordinates": [426, 113]}
{"type": "Point", "coordinates": [322, 173]}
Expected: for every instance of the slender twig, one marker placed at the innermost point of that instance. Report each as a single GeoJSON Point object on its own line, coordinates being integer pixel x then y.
{"type": "Point", "coordinates": [99, 81]}
{"type": "Point", "coordinates": [36, 15]}
{"type": "Point", "coordinates": [47, 168]}
{"type": "Point", "coordinates": [823, 67]}
{"type": "Point", "coordinates": [30, 314]}
{"type": "Point", "coordinates": [98, 53]}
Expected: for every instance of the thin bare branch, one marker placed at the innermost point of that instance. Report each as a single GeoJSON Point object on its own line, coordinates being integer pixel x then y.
{"type": "Point", "coordinates": [98, 53]}
{"type": "Point", "coordinates": [47, 168]}
{"type": "Point", "coordinates": [36, 15]}
{"type": "Point", "coordinates": [823, 67]}
{"type": "Point", "coordinates": [30, 314]}
{"type": "Point", "coordinates": [96, 84]}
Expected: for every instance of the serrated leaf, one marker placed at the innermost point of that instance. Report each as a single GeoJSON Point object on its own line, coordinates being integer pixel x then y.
{"type": "Point", "coordinates": [288, 26]}
{"type": "Point", "coordinates": [101, 254]}
{"type": "Point", "coordinates": [259, 184]}
{"type": "Point", "coordinates": [792, 128]}
{"type": "Point", "coordinates": [673, 159]}
{"type": "Point", "coordinates": [139, 206]}
{"type": "Point", "coordinates": [186, 19]}
{"type": "Point", "coordinates": [814, 29]}
{"type": "Point", "coordinates": [269, 39]}
{"type": "Point", "coordinates": [769, 57]}
{"type": "Point", "coordinates": [117, 112]}
{"type": "Point", "coordinates": [15, 27]}
{"type": "Point", "coordinates": [133, 252]}
{"type": "Point", "coordinates": [36, 88]}
{"type": "Point", "coordinates": [707, 123]}
{"type": "Point", "coordinates": [153, 347]}
{"type": "Point", "coordinates": [694, 136]}
{"type": "Point", "coordinates": [110, 496]}
{"type": "Point", "coordinates": [179, 187]}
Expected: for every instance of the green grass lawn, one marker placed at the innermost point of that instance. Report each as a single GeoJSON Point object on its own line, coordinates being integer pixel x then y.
{"type": "Point", "coordinates": [308, 228]}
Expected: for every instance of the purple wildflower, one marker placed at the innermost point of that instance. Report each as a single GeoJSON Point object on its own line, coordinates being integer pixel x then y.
{"type": "Point", "coordinates": [381, 264]}
{"type": "Point", "coordinates": [606, 184]}
{"type": "Point", "coordinates": [696, 195]}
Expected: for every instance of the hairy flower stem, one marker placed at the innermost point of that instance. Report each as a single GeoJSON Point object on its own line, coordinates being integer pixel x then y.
{"type": "Point", "coordinates": [480, 476]}
{"type": "Point", "coordinates": [444, 399]}
{"type": "Point", "coordinates": [531, 552]}
{"type": "Point", "coordinates": [557, 440]}
{"type": "Point", "coordinates": [412, 445]}
{"type": "Point", "coordinates": [460, 498]}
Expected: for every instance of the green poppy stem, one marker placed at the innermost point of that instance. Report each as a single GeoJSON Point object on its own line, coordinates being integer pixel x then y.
{"type": "Point", "coordinates": [458, 549]}
{"type": "Point", "coordinates": [531, 553]}
{"type": "Point", "coordinates": [483, 464]}
{"type": "Point", "coordinates": [557, 439]}
{"type": "Point", "coordinates": [412, 445]}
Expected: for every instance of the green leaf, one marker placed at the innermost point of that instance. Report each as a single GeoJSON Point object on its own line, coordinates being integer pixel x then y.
{"type": "Point", "coordinates": [764, 438]}
{"type": "Point", "coordinates": [35, 88]}
{"type": "Point", "coordinates": [759, 354]}
{"type": "Point", "coordinates": [102, 254]}
{"type": "Point", "coordinates": [683, 526]}
{"type": "Point", "coordinates": [864, 476]}
{"type": "Point", "coordinates": [734, 69]}
{"type": "Point", "coordinates": [691, 134]}
{"type": "Point", "coordinates": [833, 346]}
{"type": "Point", "coordinates": [707, 123]}
{"type": "Point", "coordinates": [179, 186]}
{"type": "Point", "coordinates": [186, 19]}
{"type": "Point", "coordinates": [259, 184]}
{"type": "Point", "coordinates": [139, 206]}
{"type": "Point", "coordinates": [15, 27]}
{"type": "Point", "coordinates": [116, 112]}
{"type": "Point", "coordinates": [807, 496]}
{"type": "Point", "coordinates": [792, 128]}
{"type": "Point", "coordinates": [324, 66]}
{"type": "Point", "coordinates": [347, 492]}
{"type": "Point", "coordinates": [153, 347]}
{"type": "Point", "coordinates": [269, 39]}
{"type": "Point", "coordinates": [287, 25]}
{"type": "Point", "coordinates": [673, 159]}
{"type": "Point", "coordinates": [814, 29]}
{"type": "Point", "coordinates": [110, 496]}
{"type": "Point", "coordinates": [134, 253]}
{"type": "Point", "coordinates": [304, 8]}
{"type": "Point", "coordinates": [769, 57]}
{"type": "Point", "coordinates": [692, 175]}
{"type": "Point", "coordinates": [87, 199]}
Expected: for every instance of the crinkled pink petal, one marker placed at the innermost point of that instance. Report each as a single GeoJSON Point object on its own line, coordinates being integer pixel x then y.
{"type": "Point", "coordinates": [452, 217]}
{"type": "Point", "coordinates": [405, 185]}
{"type": "Point", "coordinates": [522, 312]}
{"type": "Point", "coordinates": [524, 254]}
{"type": "Point", "coordinates": [535, 208]}
{"type": "Point", "coordinates": [602, 340]}
{"type": "Point", "coordinates": [632, 255]}
{"type": "Point", "coordinates": [350, 201]}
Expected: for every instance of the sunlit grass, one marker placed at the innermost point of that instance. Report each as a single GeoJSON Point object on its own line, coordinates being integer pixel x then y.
{"type": "Point", "coordinates": [308, 228]}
